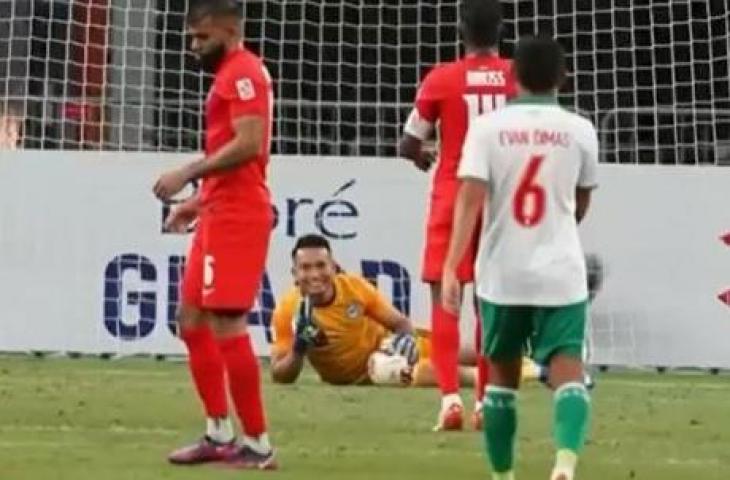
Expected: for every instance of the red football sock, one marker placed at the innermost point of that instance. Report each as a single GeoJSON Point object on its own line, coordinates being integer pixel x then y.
{"type": "Point", "coordinates": [244, 383]}
{"type": "Point", "coordinates": [482, 364]}
{"type": "Point", "coordinates": [445, 343]}
{"type": "Point", "coordinates": [208, 370]}
{"type": "Point", "coordinates": [482, 377]}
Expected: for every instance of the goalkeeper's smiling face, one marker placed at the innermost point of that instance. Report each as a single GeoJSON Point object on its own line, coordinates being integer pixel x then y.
{"type": "Point", "coordinates": [314, 272]}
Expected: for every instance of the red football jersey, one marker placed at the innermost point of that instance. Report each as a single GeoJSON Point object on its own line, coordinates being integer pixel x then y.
{"type": "Point", "coordinates": [242, 86]}
{"type": "Point", "coordinates": [449, 96]}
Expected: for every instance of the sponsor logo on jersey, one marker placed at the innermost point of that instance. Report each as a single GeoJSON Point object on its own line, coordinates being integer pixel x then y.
{"type": "Point", "coordinates": [353, 311]}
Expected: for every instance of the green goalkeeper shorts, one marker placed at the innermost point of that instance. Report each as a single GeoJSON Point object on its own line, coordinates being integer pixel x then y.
{"type": "Point", "coordinates": [511, 331]}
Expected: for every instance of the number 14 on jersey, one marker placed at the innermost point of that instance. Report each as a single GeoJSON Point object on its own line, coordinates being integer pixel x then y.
{"type": "Point", "coordinates": [479, 103]}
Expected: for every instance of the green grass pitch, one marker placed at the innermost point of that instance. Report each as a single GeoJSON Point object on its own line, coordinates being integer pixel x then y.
{"type": "Point", "coordinates": [94, 419]}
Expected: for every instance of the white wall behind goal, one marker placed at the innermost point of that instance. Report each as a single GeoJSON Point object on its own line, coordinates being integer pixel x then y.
{"type": "Point", "coordinates": [84, 266]}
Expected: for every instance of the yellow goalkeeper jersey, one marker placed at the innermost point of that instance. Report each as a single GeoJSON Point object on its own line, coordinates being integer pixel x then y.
{"type": "Point", "coordinates": [350, 329]}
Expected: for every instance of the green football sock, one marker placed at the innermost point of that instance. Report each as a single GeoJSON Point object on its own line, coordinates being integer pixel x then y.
{"type": "Point", "coordinates": [572, 407]}
{"type": "Point", "coordinates": [500, 425]}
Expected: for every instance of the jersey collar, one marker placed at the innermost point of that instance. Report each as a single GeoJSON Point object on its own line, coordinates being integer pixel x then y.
{"type": "Point", "coordinates": [535, 100]}
{"type": "Point", "coordinates": [230, 54]}
{"type": "Point", "coordinates": [481, 54]}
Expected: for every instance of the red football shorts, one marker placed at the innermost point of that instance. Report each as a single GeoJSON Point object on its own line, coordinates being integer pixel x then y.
{"type": "Point", "coordinates": [225, 264]}
{"type": "Point", "coordinates": [438, 234]}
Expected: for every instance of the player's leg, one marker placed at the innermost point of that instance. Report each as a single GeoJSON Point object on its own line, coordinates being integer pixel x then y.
{"type": "Point", "coordinates": [500, 416]}
{"type": "Point", "coordinates": [424, 376]}
{"type": "Point", "coordinates": [542, 374]}
{"type": "Point", "coordinates": [206, 367]}
{"type": "Point", "coordinates": [559, 342]}
{"type": "Point", "coordinates": [237, 261]}
{"type": "Point", "coordinates": [530, 369]}
{"type": "Point", "coordinates": [445, 361]}
{"type": "Point", "coordinates": [444, 324]}
{"type": "Point", "coordinates": [594, 278]}
{"type": "Point", "coordinates": [506, 329]}
{"type": "Point", "coordinates": [468, 370]}
{"type": "Point", "coordinates": [244, 385]}
{"type": "Point", "coordinates": [482, 378]}
{"type": "Point", "coordinates": [482, 373]}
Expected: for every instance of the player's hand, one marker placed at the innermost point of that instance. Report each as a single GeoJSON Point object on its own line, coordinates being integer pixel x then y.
{"type": "Point", "coordinates": [404, 344]}
{"type": "Point", "coordinates": [425, 161]}
{"type": "Point", "coordinates": [170, 183]}
{"type": "Point", "coordinates": [181, 216]}
{"type": "Point", "coordinates": [306, 330]}
{"type": "Point", "coordinates": [450, 292]}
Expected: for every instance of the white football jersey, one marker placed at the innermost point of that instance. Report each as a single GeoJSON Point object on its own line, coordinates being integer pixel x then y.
{"type": "Point", "coordinates": [533, 154]}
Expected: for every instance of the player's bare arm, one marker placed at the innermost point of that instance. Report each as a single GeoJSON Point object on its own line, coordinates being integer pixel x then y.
{"type": "Point", "coordinates": [395, 321]}
{"type": "Point", "coordinates": [286, 367]}
{"type": "Point", "coordinates": [403, 341]}
{"type": "Point", "coordinates": [248, 141]}
{"type": "Point", "coordinates": [411, 148]}
{"type": "Point", "coordinates": [582, 203]}
{"type": "Point", "coordinates": [469, 201]}
{"type": "Point", "coordinates": [245, 145]}
{"type": "Point", "coordinates": [288, 356]}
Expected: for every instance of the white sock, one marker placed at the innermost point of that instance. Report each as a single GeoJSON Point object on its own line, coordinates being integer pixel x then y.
{"type": "Point", "coordinates": [259, 445]}
{"type": "Point", "coordinates": [565, 462]}
{"type": "Point", "coordinates": [219, 430]}
{"type": "Point", "coordinates": [504, 476]}
{"type": "Point", "coordinates": [566, 475]}
{"type": "Point", "coordinates": [450, 399]}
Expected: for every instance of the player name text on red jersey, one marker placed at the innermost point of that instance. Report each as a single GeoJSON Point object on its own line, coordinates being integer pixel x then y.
{"type": "Point", "coordinates": [485, 78]}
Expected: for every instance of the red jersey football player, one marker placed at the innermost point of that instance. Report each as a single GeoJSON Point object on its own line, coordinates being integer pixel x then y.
{"type": "Point", "coordinates": [450, 95]}
{"type": "Point", "coordinates": [226, 259]}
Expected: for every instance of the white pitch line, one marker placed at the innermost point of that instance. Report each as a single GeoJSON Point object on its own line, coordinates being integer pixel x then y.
{"type": "Point", "coordinates": [692, 462]}
{"type": "Point", "coordinates": [664, 384]}
{"type": "Point", "coordinates": [4, 444]}
{"type": "Point", "coordinates": [116, 429]}
{"type": "Point", "coordinates": [657, 462]}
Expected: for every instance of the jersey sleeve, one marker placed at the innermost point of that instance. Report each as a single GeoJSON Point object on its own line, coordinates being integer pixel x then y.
{"type": "Point", "coordinates": [422, 119]}
{"type": "Point", "coordinates": [246, 89]}
{"type": "Point", "coordinates": [474, 162]}
{"type": "Point", "coordinates": [375, 304]}
{"type": "Point", "coordinates": [588, 144]}
{"type": "Point", "coordinates": [282, 324]}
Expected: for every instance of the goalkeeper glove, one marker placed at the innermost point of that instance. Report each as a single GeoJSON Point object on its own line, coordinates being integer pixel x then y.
{"type": "Point", "coordinates": [306, 330]}
{"type": "Point", "coordinates": [404, 344]}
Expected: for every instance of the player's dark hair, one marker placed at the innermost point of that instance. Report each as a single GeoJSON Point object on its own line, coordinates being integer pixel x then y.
{"type": "Point", "coordinates": [481, 22]}
{"type": "Point", "coordinates": [201, 9]}
{"type": "Point", "coordinates": [539, 64]}
{"type": "Point", "coordinates": [311, 240]}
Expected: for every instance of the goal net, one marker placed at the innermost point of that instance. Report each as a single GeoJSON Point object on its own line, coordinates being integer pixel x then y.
{"type": "Point", "coordinates": [114, 74]}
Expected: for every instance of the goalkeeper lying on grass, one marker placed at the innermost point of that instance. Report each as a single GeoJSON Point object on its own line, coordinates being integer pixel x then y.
{"type": "Point", "coordinates": [347, 330]}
